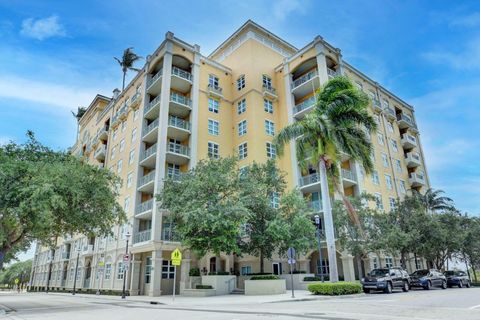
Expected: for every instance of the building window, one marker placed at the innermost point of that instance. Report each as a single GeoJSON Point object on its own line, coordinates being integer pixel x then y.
{"type": "Point", "coordinates": [385, 160]}
{"type": "Point", "coordinates": [323, 268]}
{"type": "Point", "coordinates": [213, 150]}
{"type": "Point", "coordinates": [119, 166]}
{"type": "Point", "coordinates": [213, 127]}
{"type": "Point", "coordinates": [268, 105]}
{"type": "Point", "coordinates": [394, 145]}
{"type": "Point", "coordinates": [398, 165]}
{"type": "Point", "coordinates": [114, 150]}
{"type": "Point", "coordinates": [380, 139]}
{"type": "Point", "coordinates": [124, 126]}
{"type": "Point", "coordinates": [359, 85]}
{"type": "Point", "coordinates": [390, 127]}
{"type": "Point", "coordinates": [213, 105]}
{"type": "Point", "coordinates": [135, 114]}
{"type": "Point", "coordinates": [148, 269]}
{"type": "Point", "coordinates": [388, 181]}
{"type": "Point", "coordinates": [129, 179]}
{"type": "Point", "coordinates": [243, 171]}
{"type": "Point", "coordinates": [246, 270]}
{"type": "Point", "coordinates": [267, 81]}
{"type": "Point", "coordinates": [269, 127]}
{"type": "Point", "coordinates": [388, 262]}
{"type": "Point", "coordinates": [120, 268]}
{"type": "Point", "coordinates": [167, 269]}
{"type": "Point", "coordinates": [131, 157]}
{"type": "Point", "coordinates": [70, 276]}
{"type": "Point", "coordinates": [114, 135]}
{"type": "Point", "coordinates": [378, 201]}
{"type": "Point", "coordinates": [418, 264]}
{"type": "Point", "coordinates": [126, 204]}
{"type": "Point", "coordinates": [241, 106]}
{"type": "Point", "coordinates": [213, 81]}
{"type": "Point", "coordinates": [242, 151]}
{"type": "Point", "coordinates": [241, 82]}
{"type": "Point", "coordinates": [173, 170]}
{"type": "Point", "coordinates": [275, 200]}
{"type": "Point", "coordinates": [134, 134]}
{"type": "Point", "coordinates": [122, 145]}
{"type": "Point", "coordinates": [375, 263]}
{"type": "Point", "coordinates": [403, 189]}
{"type": "Point", "coordinates": [375, 178]}
{"type": "Point", "coordinates": [271, 151]}
{"type": "Point", "coordinates": [108, 271]}
{"type": "Point", "coordinates": [385, 104]}
{"type": "Point", "coordinates": [376, 118]}
{"type": "Point", "coordinates": [392, 203]}
{"type": "Point", "coordinates": [242, 127]}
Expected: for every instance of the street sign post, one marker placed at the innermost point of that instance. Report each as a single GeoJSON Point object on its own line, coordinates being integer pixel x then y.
{"type": "Point", "coordinates": [291, 262]}
{"type": "Point", "coordinates": [176, 259]}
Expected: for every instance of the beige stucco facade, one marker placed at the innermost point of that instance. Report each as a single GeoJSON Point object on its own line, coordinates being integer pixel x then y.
{"type": "Point", "coordinates": [184, 106]}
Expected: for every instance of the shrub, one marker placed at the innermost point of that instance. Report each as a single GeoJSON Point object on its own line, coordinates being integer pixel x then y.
{"type": "Point", "coordinates": [203, 286]}
{"type": "Point", "coordinates": [219, 273]}
{"type": "Point", "coordinates": [312, 279]}
{"type": "Point", "coordinates": [265, 277]}
{"type": "Point", "coordinates": [335, 289]}
{"type": "Point", "coordinates": [194, 272]}
{"type": "Point", "coordinates": [259, 274]}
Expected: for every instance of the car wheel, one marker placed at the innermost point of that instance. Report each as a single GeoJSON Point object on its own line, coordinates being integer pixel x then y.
{"type": "Point", "coordinates": [460, 284]}
{"type": "Point", "coordinates": [428, 286]}
{"type": "Point", "coordinates": [366, 290]}
{"type": "Point", "coordinates": [389, 288]}
{"type": "Point", "coordinates": [406, 287]}
{"type": "Point", "coordinates": [444, 284]}
{"type": "Point", "coordinates": [468, 285]}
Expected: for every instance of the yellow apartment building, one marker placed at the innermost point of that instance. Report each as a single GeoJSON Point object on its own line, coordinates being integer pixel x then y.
{"type": "Point", "coordinates": [182, 107]}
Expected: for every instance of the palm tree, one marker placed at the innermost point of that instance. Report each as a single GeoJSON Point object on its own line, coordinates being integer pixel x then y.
{"type": "Point", "coordinates": [128, 59]}
{"type": "Point", "coordinates": [433, 200]}
{"type": "Point", "coordinates": [80, 112]}
{"type": "Point", "coordinates": [336, 125]}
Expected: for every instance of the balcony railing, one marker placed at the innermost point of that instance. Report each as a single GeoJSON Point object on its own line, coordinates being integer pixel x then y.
{"type": "Point", "coordinates": [181, 73]}
{"type": "Point", "coordinates": [150, 127]}
{"type": "Point", "coordinates": [100, 151]}
{"type": "Point", "coordinates": [310, 102]}
{"type": "Point", "coordinates": [148, 152]}
{"type": "Point", "coordinates": [332, 73]}
{"type": "Point", "coordinates": [315, 205]}
{"type": "Point", "coordinates": [180, 99]}
{"type": "Point", "coordinates": [179, 123]}
{"type": "Point", "coordinates": [151, 104]}
{"type": "Point", "coordinates": [390, 112]}
{"type": "Point", "coordinates": [175, 176]}
{"type": "Point", "coordinates": [168, 232]}
{"type": "Point", "coordinates": [270, 90]}
{"type": "Point", "coordinates": [215, 89]}
{"type": "Point", "coordinates": [347, 174]}
{"type": "Point", "coordinates": [412, 156]}
{"type": "Point", "coordinates": [178, 149]}
{"type": "Point", "coordinates": [144, 206]}
{"type": "Point", "coordinates": [65, 255]}
{"type": "Point", "coordinates": [146, 178]}
{"type": "Point", "coordinates": [409, 138]}
{"type": "Point", "coordinates": [304, 78]}
{"type": "Point", "coordinates": [310, 179]}
{"type": "Point", "coordinates": [155, 77]}
{"type": "Point", "coordinates": [407, 119]}
{"type": "Point", "coordinates": [88, 249]}
{"type": "Point", "coordinates": [142, 236]}
{"type": "Point", "coordinates": [134, 98]}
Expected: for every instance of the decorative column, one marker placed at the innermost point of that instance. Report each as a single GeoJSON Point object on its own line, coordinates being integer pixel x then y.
{"type": "Point", "coordinates": [185, 272]}
{"type": "Point", "coordinates": [321, 60]}
{"type": "Point", "coordinates": [348, 267]}
{"type": "Point", "coordinates": [135, 275]}
{"type": "Point", "coordinates": [156, 274]}
{"type": "Point", "coordinates": [195, 105]}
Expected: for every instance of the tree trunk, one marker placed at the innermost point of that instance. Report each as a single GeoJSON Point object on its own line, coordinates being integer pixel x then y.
{"type": "Point", "coordinates": [123, 82]}
{"type": "Point", "coordinates": [328, 219]}
{"type": "Point", "coordinates": [218, 263]}
{"type": "Point", "coordinates": [474, 273]}
{"type": "Point", "coordinates": [359, 266]}
{"type": "Point", "coordinates": [262, 263]}
{"type": "Point", "coordinates": [379, 260]}
{"type": "Point", "coordinates": [415, 257]}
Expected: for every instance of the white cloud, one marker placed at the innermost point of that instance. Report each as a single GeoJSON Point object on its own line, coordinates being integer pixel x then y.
{"type": "Point", "coordinates": [283, 8]}
{"type": "Point", "coordinates": [42, 29]}
{"type": "Point", "coordinates": [5, 140]}
{"type": "Point", "coordinates": [466, 58]}
{"type": "Point", "coordinates": [470, 20]}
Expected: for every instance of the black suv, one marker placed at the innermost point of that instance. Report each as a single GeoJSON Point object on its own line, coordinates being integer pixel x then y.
{"type": "Point", "coordinates": [428, 278]}
{"type": "Point", "coordinates": [386, 279]}
{"type": "Point", "coordinates": [457, 278]}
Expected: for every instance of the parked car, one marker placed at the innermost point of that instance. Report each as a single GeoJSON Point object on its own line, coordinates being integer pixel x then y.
{"type": "Point", "coordinates": [386, 279]}
{"type": "Point", "coordinates": [428, 278]}
{"type": "Point", "coordinates": [457, 278]}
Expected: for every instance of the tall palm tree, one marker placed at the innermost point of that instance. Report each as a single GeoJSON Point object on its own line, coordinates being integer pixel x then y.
{"type": "Point", "coordinates": [128, 59]}
{"type": "Point", "coordinates": [433, 200]}
{"type": "Point", "coordinates": [335, 126]}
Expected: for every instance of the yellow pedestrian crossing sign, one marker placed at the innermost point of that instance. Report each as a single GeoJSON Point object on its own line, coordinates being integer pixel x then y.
{"type": "Point", "coordinates": [176, 257]}
{"type": "Point", "coordinates": [17, 280]}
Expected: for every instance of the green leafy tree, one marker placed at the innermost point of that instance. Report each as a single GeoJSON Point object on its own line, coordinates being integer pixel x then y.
{"type": "Point", "coordinates": [45, 194]}
{"type": "Point", "coordinates": [470, 250]}
{"type": "Point", "coordinates": [126, 63]}
{"type": "Point", "coordinates": [19, 270]}
{"type": "Point", "coordinates": [207, 207]}
{"type": "Point", "coordinates": [335, 126]}
{"type": "Point", "coordinates": [434, 201]}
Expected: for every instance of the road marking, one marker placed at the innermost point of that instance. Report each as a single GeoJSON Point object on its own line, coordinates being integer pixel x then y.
{"type": "Point", "coordinates": [474, 307]}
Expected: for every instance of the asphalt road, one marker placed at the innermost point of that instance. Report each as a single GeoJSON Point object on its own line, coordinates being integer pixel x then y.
{"type": "Point", "coordinates": [451, 304]}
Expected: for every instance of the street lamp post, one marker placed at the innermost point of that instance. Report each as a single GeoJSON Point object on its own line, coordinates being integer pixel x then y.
{"type": "Point", "coordinates": [76, 270]}
{"type": "Point", "coordinates": [127, 236]}
{"type": "Point", "coordinates": [319, 232]}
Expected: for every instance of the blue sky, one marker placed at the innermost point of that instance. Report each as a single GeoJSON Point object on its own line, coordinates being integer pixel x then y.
{"type": "Point", "coordinates": [56, 55]}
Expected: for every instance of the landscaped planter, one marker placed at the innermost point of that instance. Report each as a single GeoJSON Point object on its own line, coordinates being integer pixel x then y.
{"type": "Point", "coordinates": [198, 292]}
{"type": "Point", "coordinates": [221, 284]}
{"type": "Point", "coordinates": [265, 287]}
{"type": "Point", "coordinates": [298, 283]}
{"type": "Point", "coordinates": [194, 281]}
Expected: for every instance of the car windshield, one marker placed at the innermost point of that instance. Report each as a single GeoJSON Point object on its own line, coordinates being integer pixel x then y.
{"type": "Point", "coordinates": [379, 272]}
{"type": "Point", "coordinates": [420, 273]}
{"type": "Point", "coordinates": [449, 273]}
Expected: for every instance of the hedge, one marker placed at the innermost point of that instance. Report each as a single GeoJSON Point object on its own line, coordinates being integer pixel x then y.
{"type": "Point", "coordinates": [203, 286]}
{"type": "Point", "coordinates": [335, 289]}
{"type": "Point", "coordinates": [313, 279]}
{"type": "Point", "coordinates": [194, 272]}
{"type": "Point", "coordinates": [265, 277]}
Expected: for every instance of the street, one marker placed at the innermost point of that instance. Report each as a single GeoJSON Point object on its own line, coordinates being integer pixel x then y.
{"type": "Point", "coordinates": [417, 304]}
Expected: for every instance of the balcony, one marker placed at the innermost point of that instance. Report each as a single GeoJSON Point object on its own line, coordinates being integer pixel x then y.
{"type": "Point", "coordinates": [180, 105]}
{"type": "Point", "coordinates": [390, 113]}
{"type": "Point", "coordinates": [146, 183]}
{"type": "Point", "coordinates": [349, 178]}
{"type": "Point", "coordinates": [408, 141]}
{"type": "Point", "coordinates": [135, 100]}
{"type": "Point", "coordinates": [215, 91]}
{"type": "Point", "coordinates": [65, 255]}
{"type": "Point", "coordinates": [175, 176]}
{"type": "Point", "coordinates": [87, 249]}
{"type": "Point", "coordinates": [405, 121]}
{"type": "Point", "coordinates": [177, 153]}
{"type": "Point", "coordinates": [310, 183]}
{"type": "Point", "coordinates": [417, 179]}
{"type": "Point", "coordinates": [376, 105]}
{"type": "Point", "coordinates": [178, 129]}
{"type": "Point", "coordinates": [315, 205]}
{"type": "Point", "coordinates": [149, 156]}
{"type": "Point", "coordinates": [102, 133]}
{"type": "Point", "coordinates": [412, 159]}
{"type": "Point", "coordinates": [100, 152]}
{"type": "Point", "coordinates": [150, 132]}
{"type": "Point", "coordinates": [144, 208]}
{"type": "Point", "coordinates": [181, 80]}
{"type": "Point", "coordinates": [168, 233]}
{"type": "Point", "coordinates": [142, 236]}
{"type": "Point", "coordinates": [306, 84]}
{"type": "Point", "coordinates": [120, 115]}
{"type": "Point", "coordinates": [270, 92]}
{"type": "Point", "coordinates": [152, 109]}
{"type": "Point", "coordinates": [332, 73]}
{"type": "Point", "coordinates": [304, 107]}
{"type": "Point", "coordinates": [154, 85]}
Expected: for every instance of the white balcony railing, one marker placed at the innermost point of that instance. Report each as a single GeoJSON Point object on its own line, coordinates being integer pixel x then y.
{"type": "Point", "coordinates": [180, 99]}
{"type": "Point", "coordinates": [310, 102]}
{"type": "Point", "coordinates": [347, 174]}
{"type": "Point", "coordinates": [270, 90]}
{"type": "Point", "coordinates": [178, 123]}
{"type": "Point", "coordinates": [144, 206]}
{"type": "Point", "coordinates": [332, 73]}
{"type": "Point", "coordinates": [148, 152]}
{"type": "Point", "coordinates": [146, 178]}
{"type": "Point", "coordinates": [152, 104]}
{"type": "Point", "coordinates": [178, 149]}
{"type": "Point", "coordinates": [150, 127]}
{"type": "Point", "coordinates": [310, 75]}
{"type": "Point", "coordinates": [155, 77]}
{"type": "Point", "coordinates": [181, 73]}
{"type": "Point", "coordinates": [310, 179]}
{"type": "Point", "coordinates": [315, 205]}
{"type": "Point", "coordinates": [142, 236]}
{"type": "Point", "coordinates": [217, 90]}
